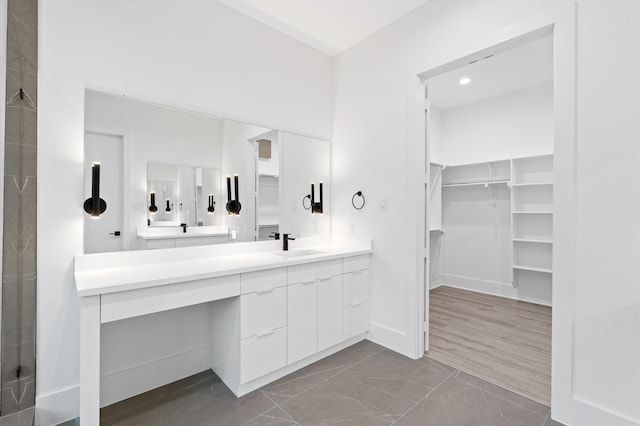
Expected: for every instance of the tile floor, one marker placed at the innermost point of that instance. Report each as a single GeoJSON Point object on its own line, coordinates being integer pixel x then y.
{"type": "Point", "coordinates": [365, 384]}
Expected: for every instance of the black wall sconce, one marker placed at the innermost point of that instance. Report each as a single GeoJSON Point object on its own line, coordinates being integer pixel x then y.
{"type": "Point", "coordinates": [152, 207]}
{"type": "Point", "coordinates": [95, 205]}
{"type": "Point", "coordinates": [316, 206]}
{"type": "Point", "coordinates": [233, 206]}
{"type": "Point", "coordinates": [212, 204]}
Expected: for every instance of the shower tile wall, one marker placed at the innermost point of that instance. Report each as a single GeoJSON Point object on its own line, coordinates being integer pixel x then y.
{"type": "Point", "coordinates": [17, 391]}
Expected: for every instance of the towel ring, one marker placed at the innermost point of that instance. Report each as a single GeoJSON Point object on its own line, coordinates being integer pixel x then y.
{"type": "Point", "coordinates": [353, 201]}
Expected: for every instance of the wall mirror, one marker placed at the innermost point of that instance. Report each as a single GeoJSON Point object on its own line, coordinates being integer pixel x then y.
{"type": "Point", "coordinates": [184, 158]}
{"type": "Point", "coordinates": [182, 195]}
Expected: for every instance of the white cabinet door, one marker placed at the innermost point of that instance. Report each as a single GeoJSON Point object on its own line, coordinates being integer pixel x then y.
{"type": "Point", "coordinates": [302, 321]}
{"type": "Point", "coordinates": [329, 312]}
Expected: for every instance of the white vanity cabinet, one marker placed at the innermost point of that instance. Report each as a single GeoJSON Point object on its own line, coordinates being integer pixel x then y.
{"type": "Point", "coordinates": [190, 241]}
{"type": "Point", "coordinates": [306, 285]}
{"type": "Point", "coordinates": [355, 295]}
{"type": "Point", "coordinates": [263, 323]}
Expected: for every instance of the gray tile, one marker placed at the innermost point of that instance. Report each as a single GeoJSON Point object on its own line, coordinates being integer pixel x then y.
{"type": "Point", "coordinates": [207, 402]}
{"type": "Point", "coordinates": [274, 417]}
{"type": "Point", "coordinates": [550, 422]}
{"type": "Point", "coordinates": [306, 378]}
{"type": "Point", "coordinates": [456, 403]}
{"type": "Point", "coordinates": [72, 422]}
{"type": "Point", "coordinates": [503, 393]}
{"type": "Point", "coordinates": [376, 391]}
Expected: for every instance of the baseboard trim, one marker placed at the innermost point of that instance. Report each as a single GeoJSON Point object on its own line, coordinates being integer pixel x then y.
{"type": "Point", "coordinates": [481, 286]}
{"type": "Point", "coordinates": [390, 338]}
{"type": "Point", "coordinates": [58, 407]}
{"type": "Point", "coordinates": [123, 384]}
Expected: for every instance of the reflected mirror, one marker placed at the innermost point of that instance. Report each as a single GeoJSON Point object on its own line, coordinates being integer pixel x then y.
{"type": "Point", "coordinates": [182, 195]}
{"type": "Point", "coordinates": [169, 167]}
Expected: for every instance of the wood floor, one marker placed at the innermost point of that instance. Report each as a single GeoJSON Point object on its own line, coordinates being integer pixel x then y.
{"type": "Point", "coordinates": [503, 341]}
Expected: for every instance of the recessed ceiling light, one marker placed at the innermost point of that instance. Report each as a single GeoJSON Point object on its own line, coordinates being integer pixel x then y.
{"type": "Point", "coordinates": [464, 81]}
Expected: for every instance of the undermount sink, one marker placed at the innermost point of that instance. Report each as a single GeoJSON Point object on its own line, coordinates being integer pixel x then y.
{"type": "Point", "coordinates": [298, 253]}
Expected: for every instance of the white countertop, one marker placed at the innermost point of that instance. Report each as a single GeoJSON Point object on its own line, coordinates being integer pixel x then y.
{"type": "Point", "coordinates": [104, 273]}
{"type": "Point", "coordinates": [162, 232]}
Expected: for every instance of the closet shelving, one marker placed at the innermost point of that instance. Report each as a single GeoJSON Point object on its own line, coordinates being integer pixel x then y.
{"type": "Point", "coordinates": [532, 221]}
{"type": "Point", "coordinates": [527, 185]}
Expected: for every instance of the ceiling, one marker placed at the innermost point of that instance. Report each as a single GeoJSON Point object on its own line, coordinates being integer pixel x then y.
{"type": "Point", "coordinates": [330, 26]}
{"type": "Point", "coordinates": [517, 69]}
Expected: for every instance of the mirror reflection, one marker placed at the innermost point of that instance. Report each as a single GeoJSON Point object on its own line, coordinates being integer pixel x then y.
{"type": "Point", "coordinates": [182, 194]}
{"type": "Point", "coordinates": [182, 159]}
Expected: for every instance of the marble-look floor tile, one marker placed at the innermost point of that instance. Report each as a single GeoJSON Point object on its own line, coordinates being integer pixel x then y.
{"type": "Point", "coordinates": [550, 422]}
{"type": "Point", "coordinates": [376, 391]}
{"type": "Point", "coordinates": [274, 417]}
{"type": "Point", "coordinates": [306, 378]}
{"type": "Point", "coordinates": [456, 403]}
{"type": "Point", "coordinates": [206, 402]}
{"type": "Point", "coordinates": [503, 393]}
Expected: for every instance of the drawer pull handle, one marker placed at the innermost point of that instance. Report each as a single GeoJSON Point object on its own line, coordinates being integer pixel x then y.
{"type": "Point", "coordinates": [358, 303]}
{"type": "Point", "coordinates": [358, 272]}
{"type": "Point", "coordinates": [266, 290]}
{"type": "Point", "coordinates": [265, 333]}
{"type": "Point", "coordinates": [324, 279]}
{"type": "Point", "coordinates": [308, 282]}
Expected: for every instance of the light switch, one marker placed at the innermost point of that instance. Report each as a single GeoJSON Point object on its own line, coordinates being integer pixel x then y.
{"type": "Point", "coordinates": [384, 204]}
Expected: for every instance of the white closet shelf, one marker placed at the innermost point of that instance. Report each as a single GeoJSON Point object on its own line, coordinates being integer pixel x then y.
{"type": "Point", "coordinates": [492, 182]}
{"type": "Point", "coordinates": [266, 175]}
{"type": "Point", "coordinates": [532, 240]}
{"type": "Point", "coordinates": [439, 231]}
{"type": "Point", "coordinates": [533, 212]}
{"type": "Point", "coordinates": [532, 184]}
{"type": "Point", "coordinates": [533, 269]}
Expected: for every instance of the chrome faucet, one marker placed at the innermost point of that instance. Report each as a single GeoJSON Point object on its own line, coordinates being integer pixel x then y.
{"type": "Point", "coordinates": [285, 241]}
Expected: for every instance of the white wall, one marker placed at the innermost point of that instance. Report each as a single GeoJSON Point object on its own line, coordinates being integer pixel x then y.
{"type": "Point", "coordinates": [377, 139]}
{"type": "Point", "coordinates": [153, 134]}
{"type": "Point", "coordinates": [515, 125]}
{"type": "Point", "coordinates": [195, 54]}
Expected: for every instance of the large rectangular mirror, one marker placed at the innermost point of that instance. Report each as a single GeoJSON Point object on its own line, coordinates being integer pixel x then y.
{"type": "Point", "coordinates": [182, 160]}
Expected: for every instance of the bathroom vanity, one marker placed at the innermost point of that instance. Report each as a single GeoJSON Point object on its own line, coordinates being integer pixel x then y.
{"type": "Point", "coordinates": [271, 311]}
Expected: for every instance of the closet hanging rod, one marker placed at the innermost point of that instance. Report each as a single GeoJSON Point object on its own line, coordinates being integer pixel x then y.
{"type": "Point", "coordinates": [486, 183]}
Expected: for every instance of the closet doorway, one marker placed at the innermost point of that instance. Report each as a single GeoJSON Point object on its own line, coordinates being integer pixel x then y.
{"type": "Point", "coordinates": [489, 214]}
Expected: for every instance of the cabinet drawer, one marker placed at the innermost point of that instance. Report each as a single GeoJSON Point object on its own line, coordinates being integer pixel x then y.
{"type": "Point", "coordinates": [355, 287]}
{"type": "Point", "coordinates": [263, 280]}
{"type": "Point", "coordinates": [262, 311]}
{"type": "Point", "coordinates": [355, 319]}
{"type": "Point", "coordinates": [313, 271]}
{"type": "Point", "coordinates": [262, 354]}
{"type": "Point", "coordinates": [356, 263]}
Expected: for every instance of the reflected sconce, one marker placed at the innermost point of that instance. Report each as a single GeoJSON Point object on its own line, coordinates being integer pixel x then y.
{"type": "Point", "coordinates": [233, 206]}
{"type": "Point", "coordinates": [95, 205]}
{"type": "Point", "coordinates": [316, 203]}
{"type": "Point", "coordinates": [168, 209]}
{"type": "Point", "coordinates": [212, 204]}
{"type": "Point", "coordinates": [152, 207]}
